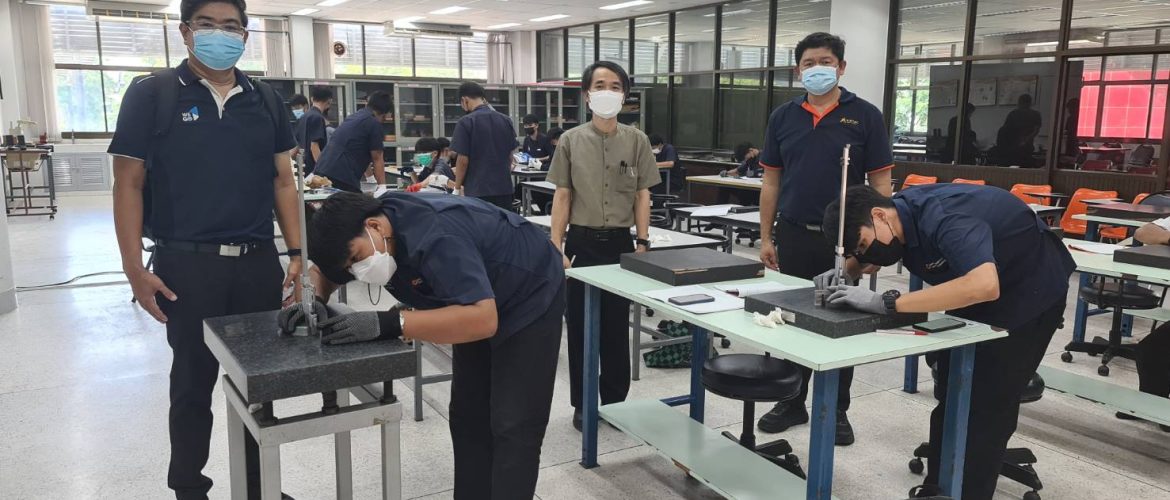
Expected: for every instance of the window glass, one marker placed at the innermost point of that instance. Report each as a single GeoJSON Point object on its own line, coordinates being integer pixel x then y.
{"type": "Point", "coordinates": [795, 19]}
{"type": "Point", "coordinates": [79, 101]}
{"type": "Point", "coordinates": [1016, 130]}
{"type": "Point", "coordinates": [267, 49]}
{"type": "Point", "coordinates": [475, 59]}
{"type": "Point", "coordinates": [743, 107]}
{"type": "Point", "coordinates": [744, 42]}
{"type": "Point", "coordinates": [694, 38]}
{"type": "Point", "coordinates": [552, 55]}
{"type": "Point", "coordinates": [1012, 27]}
{"type": "Point", "coordinates": [115, 86]}
{"type": "Point", "coordinates": [693, 104]}
{"type": "Point", "coordinates": [1114, 118]}
{"type": "Point", "coordinates": [615, 43]}
{"type": "Point", "coordinates": [926, 108]}
{"type": "Point", "coordinates": [651, 44]}
{"type": "Point", "coordinates": [1098, 23]}
{"type": "Point", "coordinates": [657, 101]}
{"type": "Point", "coordinates": [932, 28]}
{"type": "Point", "coordinates": [351, 62]}
{"type": "Point", "coordinates": [133, 43]}
{"type": "Point", "coordinates": [387, 55]}
{"type": "Point", "coordinates": [580, 50]}
{"type": "Point", "coordinates": [436, 57]}
{"type": "Point", "coordinates": [74, 35]}
{"type": "Point", "coordinates": [176, 48]}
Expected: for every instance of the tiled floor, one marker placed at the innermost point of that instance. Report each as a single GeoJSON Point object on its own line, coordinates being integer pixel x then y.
{"type": "Point", "coordinates": [84, 382]}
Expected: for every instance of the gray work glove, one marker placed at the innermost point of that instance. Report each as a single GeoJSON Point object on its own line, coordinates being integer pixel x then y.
{"type": "Point", "coordinates": [856, 297]}
{"type": "Point", "coordinates": [829, 279]}
{"type": "Point", "coordinates": [288, 318]}
{"type": "Point", "coordinates": [349, 328]}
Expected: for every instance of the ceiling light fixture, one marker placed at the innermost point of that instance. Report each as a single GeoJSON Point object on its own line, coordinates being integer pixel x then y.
{"type": "Point", "coordinates": [730, 13]}
{"type": "Point", "coordinates": [502, 26]}
{"type": "Point", "coordinates": [304, 12]}
{"type": "Point", "coordinates": [625, 5]}
{"type": "Point", "coordinates": [553, 17]}
{"type": "Point", "coordinates": [449, 10]}
{"type": "Point", "coordinates": [652, 23]}
{"type": "Point", "coordinates": [331, 3]}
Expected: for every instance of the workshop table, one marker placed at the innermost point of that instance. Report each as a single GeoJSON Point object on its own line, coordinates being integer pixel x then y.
{"type": "Point", "coordinates": [402, 174]}
{"type": "Point", "coordinates": [825, 356]}
{"type": "Point", "coordinates": [528, 175]}
{"type": "Point", "coordinates": [748, 183]}
{"type": "Point", "coordinates": [1054, 197]}
{"type": "Point", "coordinates": [262, 366]}
{"type": "Point", "coordinates": [1093, 233]}
{"type": "Point", "coordinates": [1101, 201]}
{"type": "Point", "coordinates": [526, 189]}
{"type": "Point", "coordinates": [680, 213]}
{"type": "Point", "coordinates": [731, 222]}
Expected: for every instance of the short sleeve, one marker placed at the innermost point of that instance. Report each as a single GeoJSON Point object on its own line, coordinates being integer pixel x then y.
{"type": "Point", "coordinates": [770, 156]}
{"type": "Point", "coordinates": [560, 173]}
{"type": "Point", "coordinates": [455, 270]}
{"type": "Point", "coordinates": [285, 140]}
{"type": "Point", "coordinates": [1163, 223]}
{"type": "Point", "coordinates": [461, 139]}
{"type": "Point", "coordinates": [314, 128]}
{"type": "Point", "coordinates": [644, 161]}
{"type": "Point", "coordinates": [135, 128]}
{"type": "Point", "coordinates": [671, 154]}
{"type": "Point", "coordinates": [966, 242]}
{"type": "Point", "coordinates": [879, 155]}
{"type": "Point", "coordinates": [374, 135]}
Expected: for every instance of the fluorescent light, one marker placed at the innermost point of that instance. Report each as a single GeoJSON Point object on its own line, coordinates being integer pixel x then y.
{"type": "Point", "coordinates": [409, 20]}
{"type": "Point", "coordinates": [625, 5]}
{"type": "Point", "coordinates": [652, 23]}
{"type": "Point", "coordinates": [502, 26]}
{"type": "Point", "coordinates": [304, 12]}
{"type": "Point", "coordinates": [331, 3]}
{"type": "Point", "coordinates": [449, 10]}
{"type": "Point", "coordinates": [173, 7]}
{"type": "Point", "coordinates": [730, 13]}
{"type": "Point", "coordinates": [553, 17]}
{"type": "Point", "coordinates": [730, 28]}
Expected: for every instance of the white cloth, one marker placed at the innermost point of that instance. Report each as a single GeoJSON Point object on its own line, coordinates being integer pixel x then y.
{"type": "Point", "coordinates": [1163, 223]}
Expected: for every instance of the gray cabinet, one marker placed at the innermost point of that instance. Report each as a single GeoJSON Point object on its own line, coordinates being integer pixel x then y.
{"type": "Point", "coordinates": [82, 171]}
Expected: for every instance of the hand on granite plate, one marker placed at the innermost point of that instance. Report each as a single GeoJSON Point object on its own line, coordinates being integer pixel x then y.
{"type": "Point", "coordinates": [856, 297]}
{"type": "Point", "coordinates": [350, 328]}
{"type": "Point", "coordinates": [289, 317]}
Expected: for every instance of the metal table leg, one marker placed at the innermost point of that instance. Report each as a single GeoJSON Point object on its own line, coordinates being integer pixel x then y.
{"type": "Point", "coordinates": [418, 381]}
{"type": "Point", "coordinates": [1082, 309]}
{"type": "Point", "coordinates": [589, 379]}
{"type": "Point", "coordinates": [526, 198]}
{"type": "Point", "coordinates": [391, 461]}
{"type": "Point", "coordinates": [237, 463]}
{"type": "Point", "coordinates": [636, 343]}
{"type": "Point", "coordinates": [343, 456]}
{"type": "Point", "coordinates": [824, 435]}
{"type": "Point", "coordinates": [699, 338]}
{"type": "Point", "coordinates": [958, 408]}
{"type": "Point", "coordinates": [270, 472]}
{"type": "Point", "coordinates": [910, 372]}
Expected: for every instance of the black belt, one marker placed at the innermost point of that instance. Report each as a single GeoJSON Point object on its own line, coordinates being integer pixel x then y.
{"type": "Point", "coordinates": [604, 234]}
{"type": "Point", "coordinates": [809, 227]}
{"type": "Point", "coordinates": [223, 250]}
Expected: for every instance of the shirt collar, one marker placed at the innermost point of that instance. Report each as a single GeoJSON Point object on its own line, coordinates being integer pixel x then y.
{"type": "Point", "coordinates": [909, 230]}
{"type": "Point", "coordinates": [846, 97]}
{"type": "Point", "coordinates": [187, 77]}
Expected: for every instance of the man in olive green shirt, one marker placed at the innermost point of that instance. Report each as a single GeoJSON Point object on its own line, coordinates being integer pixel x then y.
{"type": "Point", "coordinates": [603, 172]}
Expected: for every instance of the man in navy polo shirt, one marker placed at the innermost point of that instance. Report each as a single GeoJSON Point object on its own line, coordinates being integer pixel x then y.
{"type": "Point", "coordinates": [485, 280]}
{"type": "Point", "coordinates": [990, 259]}
{"type": "Point", "coordinates": [213, 173]}
{"type": "Point", "coordinates": [310, 129]}
{"type": "Point", "coordinates": [356, 146]}
{"type": "Point", "coordinates": [802, 168]}
{"type": "Point", "coordinates": [485, 140]}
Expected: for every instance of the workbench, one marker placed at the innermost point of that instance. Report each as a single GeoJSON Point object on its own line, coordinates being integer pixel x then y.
{"type": "Point", "coordinates": [526, 189]}
{"type": "Point", "coordinates": [748, 183]}
{"type": "Point", "coordinates": [262, 366]}
{"type": "Point", "coordinates": [735, 471]}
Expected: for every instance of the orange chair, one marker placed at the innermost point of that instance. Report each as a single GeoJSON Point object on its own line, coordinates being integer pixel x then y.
{"type": "Point", "coordinates": [1117, 233]}
{"type": "Point", "coordinates": [977, 182]}
{"type": "Point", "coordinates": [1023, 190]}
{"type": "Point", "coordinates": [918, 180]}
{"type": "Point", "coordinates": [1076, 206]}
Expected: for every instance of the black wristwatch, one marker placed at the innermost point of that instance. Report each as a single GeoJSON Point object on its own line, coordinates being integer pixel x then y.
{"type": "Point", "coordinates": [294, 252]}
{"type": "Point", "coordinates": [890, 300]}
{"type": "Point", "coordinates": [642, 242]}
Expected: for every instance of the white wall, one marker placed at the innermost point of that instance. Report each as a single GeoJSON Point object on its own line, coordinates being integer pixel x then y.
{"type": "Point", "coordinates": [865, 25]}
{"type": "Point", "coordinates": [10, 109]}
{"type": "Point", "coordinates": [300, 34]}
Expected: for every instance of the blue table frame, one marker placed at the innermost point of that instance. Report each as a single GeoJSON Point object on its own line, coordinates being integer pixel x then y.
{"type": "Point", "coordinates": [824, 409]}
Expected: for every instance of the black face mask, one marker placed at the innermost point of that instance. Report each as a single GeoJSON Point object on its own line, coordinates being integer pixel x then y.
{"type": "Point", "coordinates": [531, 130]}
{"type": "Point", "coordinates": [882, 254]}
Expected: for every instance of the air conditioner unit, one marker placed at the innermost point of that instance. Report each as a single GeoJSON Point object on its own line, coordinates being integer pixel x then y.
{"type": "Point", "coordinates": [129, 10]}
{"type": "Point", "coordinates": [427, 29]}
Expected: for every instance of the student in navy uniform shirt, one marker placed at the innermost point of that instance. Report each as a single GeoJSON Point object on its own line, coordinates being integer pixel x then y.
{"type": "Point", "coordinates": [485, 140]}
{"type": "Point", "coordinates": [214, 179]}
{"type": "Point", "coordinates": [485, 280]}
{"type": "Point", "coordinates": [356, 145]}
{"type": "Point", "coordinates": [310, 129]}
{"type": "Point", "coordinates": [802, 171]}
{"type": "Point", "coordinates": [535, 143]}
{"type": "Point", "coordinates": [749, 167]}
{"type": "Point", "coordinates": [990, 259]}
{"type": "Point", "coordinates": [666, 156]}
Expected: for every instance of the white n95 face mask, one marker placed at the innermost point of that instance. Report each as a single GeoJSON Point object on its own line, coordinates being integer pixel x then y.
{"type": "Point", "coordinates": [606, 103]}
{"type": "Point", "coordinates": [375, 269]}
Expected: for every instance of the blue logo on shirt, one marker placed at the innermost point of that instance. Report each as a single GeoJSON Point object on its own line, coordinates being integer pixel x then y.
{"type": "Point", "coordinates": [191, 114]}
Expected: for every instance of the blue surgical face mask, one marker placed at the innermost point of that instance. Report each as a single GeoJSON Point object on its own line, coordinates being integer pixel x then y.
{"type": "Point", "coordinates": [819, 80]}
{"type": "Point", "coordinates": [298, 113]}
{"type": "Point", "coordinates": [217, 49]}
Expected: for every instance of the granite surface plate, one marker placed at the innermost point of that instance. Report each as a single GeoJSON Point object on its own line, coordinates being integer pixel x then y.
{"type": "Point", "coordinates": [832, 322]}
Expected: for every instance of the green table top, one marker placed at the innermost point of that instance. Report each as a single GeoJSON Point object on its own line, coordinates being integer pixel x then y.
{"type": "Point", "coordinates": [1110, 220]}
{"type": "Point", "coordinates": [801, 346]}
{"type": "Point", "coordinates": [1095, 263]}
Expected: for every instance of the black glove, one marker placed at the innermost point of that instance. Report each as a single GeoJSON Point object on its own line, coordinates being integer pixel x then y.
{"type": "Point", "coordinates": [288, 318]}
{"type": "Point", "coordinates": [360, 327]}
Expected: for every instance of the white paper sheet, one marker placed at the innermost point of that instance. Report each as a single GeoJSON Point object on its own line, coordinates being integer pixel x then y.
{"type": "Point", "coordinates": [712, 211]}
{"type": "Point", "coordinates": [722, 302]}
{"type": "Point", "coordinates": [755, 289]}
{"type": "Point", "coordinates": [1094, 247]}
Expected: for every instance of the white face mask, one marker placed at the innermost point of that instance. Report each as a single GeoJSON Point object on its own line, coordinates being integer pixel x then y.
{"type": "Point", "coordinates": [606, 103]}
{"type": "Point", "coordinates": [375, 269]}
{"type": "Point", "coordinates": [656, 150]}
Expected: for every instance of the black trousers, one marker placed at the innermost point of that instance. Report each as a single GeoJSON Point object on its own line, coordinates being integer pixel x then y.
{"type": "Point", "coordinates": [1003, 368]}
{"type": "Point", "coordinates": [614, 384]}
{"type": "Point", "coordinates": [1153, 362]}
{"type": "Point", "coordinates": [805, 253]}
{"type": "Point", "coordinates": [503, 201]}
{"type": "Point", "coordinates": [501, 396]}
{"type": "Point", "coordinates": [207, 286]}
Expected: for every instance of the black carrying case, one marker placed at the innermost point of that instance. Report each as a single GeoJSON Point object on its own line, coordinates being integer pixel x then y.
{"type": "Point", "coordinates": [691, 266]}
{"type": "Point", "coordinates": [1147, 255]}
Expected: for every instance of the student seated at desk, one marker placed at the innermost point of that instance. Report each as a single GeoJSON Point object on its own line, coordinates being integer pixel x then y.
{"type": "Point", "coordinates": [749, 167]}
{"type": "Point", "coordinates": [1153, 352]}
{"type": "Point", "coordinates": [990, 259]}
{"type": "Point", "coordinates": [666, 157]}
{"type": "Point", "coordinates": [483, 279]}
{"type": "Point", "coordinates": [435, 172]}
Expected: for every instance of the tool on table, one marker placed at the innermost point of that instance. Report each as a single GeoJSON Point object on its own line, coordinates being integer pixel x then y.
{"type": "Point", "coordinates": [820, 294]}
{"type": "Point", "coordinates": [309, 328]}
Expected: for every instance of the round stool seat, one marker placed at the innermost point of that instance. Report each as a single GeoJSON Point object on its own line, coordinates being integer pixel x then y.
{"type": "Point", "coordinates": [1034, 390]}
{"type": "Point", "coordinates": [1132, 296]}
{"type": "Point", "coordinates": [751, 377]}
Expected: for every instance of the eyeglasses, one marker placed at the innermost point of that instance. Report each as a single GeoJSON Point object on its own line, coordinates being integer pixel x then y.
{"type": "Point", "coordinates": [234, 29]}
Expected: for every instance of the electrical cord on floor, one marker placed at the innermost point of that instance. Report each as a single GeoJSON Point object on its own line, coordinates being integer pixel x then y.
{"type": "Point", "coordinates": [71, 281]}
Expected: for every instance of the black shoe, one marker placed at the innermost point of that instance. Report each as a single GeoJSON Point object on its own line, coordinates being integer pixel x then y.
{"type": "Point", "coordinates": [1126, 416]}
{"type": "Point", "coordinates": [844, 430]}
{"type": "Point", "coordinates": [929, 491]}
{"type": "Point", "coordinates": [577, 421]}
{"type": "Point", "coordinates": [783, 416]}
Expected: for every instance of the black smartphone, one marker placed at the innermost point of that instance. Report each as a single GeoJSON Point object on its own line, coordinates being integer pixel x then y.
{"type": "Point", "coordinates": [939, 325]}
{"type": "Point", "coordinates": [686, 300]}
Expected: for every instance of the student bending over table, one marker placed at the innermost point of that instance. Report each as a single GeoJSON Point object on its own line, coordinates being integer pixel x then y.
{"type": "Point", "coordinates": [989, 259]}
{"type": "Point", "coordinates": [475, 276]}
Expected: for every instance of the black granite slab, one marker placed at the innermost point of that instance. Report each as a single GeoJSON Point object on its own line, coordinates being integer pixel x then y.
{"type": "Point", "coordinates": [691, 266]}
{"type": "Point", "coordinates": [1129, 211]}
{"type": "Point", "coordinates": [1145, 255]}
{"type": "Point", "coordinates": [266, 366]}
{"type": "Point", "coordinates": [832, 322]}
